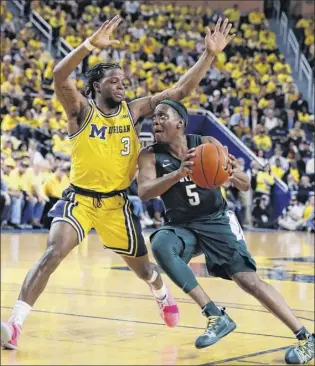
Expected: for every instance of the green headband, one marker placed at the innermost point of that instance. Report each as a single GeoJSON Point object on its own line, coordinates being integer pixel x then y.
{"type": "Point", "coordinates": [178, 108]}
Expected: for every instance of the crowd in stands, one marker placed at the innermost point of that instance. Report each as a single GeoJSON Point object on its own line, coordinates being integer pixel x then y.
{"type": "Point", "coordinates": [305, 32]}
{"type": "Point", "coordinates": [249, 88]}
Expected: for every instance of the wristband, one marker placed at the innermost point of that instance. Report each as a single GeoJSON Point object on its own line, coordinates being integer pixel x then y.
{"type": "Point", "coordinates": [87, 43]}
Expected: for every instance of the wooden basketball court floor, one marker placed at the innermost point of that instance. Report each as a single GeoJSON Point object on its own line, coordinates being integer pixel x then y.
{"type": "Point", "coordinates": [96, 312]}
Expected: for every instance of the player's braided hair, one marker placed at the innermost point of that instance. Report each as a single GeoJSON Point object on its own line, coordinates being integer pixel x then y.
{"type": "Point", "coordinates": [97, 73]}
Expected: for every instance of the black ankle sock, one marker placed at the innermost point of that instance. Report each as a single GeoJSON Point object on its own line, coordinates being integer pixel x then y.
{"type": "Point", "coordinates": [211, 309]}
{"type": "Point", "coordinates": [301, 333]}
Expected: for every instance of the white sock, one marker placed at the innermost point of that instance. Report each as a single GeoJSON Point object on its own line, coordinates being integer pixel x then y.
{"type": "Point", "coordinates": [161, 293]}
{"type": "Point", "coordinates": [20, 312]}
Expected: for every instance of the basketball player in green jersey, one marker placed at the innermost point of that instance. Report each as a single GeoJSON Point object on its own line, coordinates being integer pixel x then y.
{"type": "Point", "coordinates": [199, 219]}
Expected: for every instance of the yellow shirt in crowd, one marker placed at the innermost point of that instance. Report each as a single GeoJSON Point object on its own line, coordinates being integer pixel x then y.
{"type": "Point", "coordinates": [264, 182]}
{"type": "Point", "coordinates": [53, 186]}
{"type": "Point", "coordinates": [278, 172]}
{"type": "Point", "coordinates": [262, 142]}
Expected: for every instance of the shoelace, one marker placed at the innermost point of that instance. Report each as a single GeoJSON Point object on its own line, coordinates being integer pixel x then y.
{"type": "Point", "coordinates": [211, 322]}
{"type": "Point", "coordinates": [302, 349]}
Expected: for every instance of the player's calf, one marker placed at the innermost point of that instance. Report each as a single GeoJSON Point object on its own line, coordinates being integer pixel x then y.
{"type": "Point", "coordinates": [167, 305]}
{"type": "Point", "coordinates": [150, 273]}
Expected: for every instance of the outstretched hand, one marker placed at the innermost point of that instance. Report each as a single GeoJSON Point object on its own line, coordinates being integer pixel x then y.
{"type": "Point", "coordinates": [100, 38]}
{"type": "Point", "coordinates": [220, 38]}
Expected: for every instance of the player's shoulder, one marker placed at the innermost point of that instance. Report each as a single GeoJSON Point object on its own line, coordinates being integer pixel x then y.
{"type": "Point", "coordinates": [153, 149]}
{"type": "Point", "coordinates": [147, 151]}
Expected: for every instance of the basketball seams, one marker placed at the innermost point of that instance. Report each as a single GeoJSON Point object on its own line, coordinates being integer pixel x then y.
{"type": "Point", "coordinates": [208, 171]}
{"type": "Point", "coordinates": [218, 164]}
{"type": "Point", "coordinates": [202, 167]}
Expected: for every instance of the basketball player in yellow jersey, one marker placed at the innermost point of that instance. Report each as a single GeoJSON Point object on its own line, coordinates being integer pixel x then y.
{"type": "Point", "coordinates": [105, 147]}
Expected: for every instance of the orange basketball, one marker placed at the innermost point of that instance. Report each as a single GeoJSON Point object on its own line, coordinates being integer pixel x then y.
{"type": "Point", "coordinates": [211, 168]}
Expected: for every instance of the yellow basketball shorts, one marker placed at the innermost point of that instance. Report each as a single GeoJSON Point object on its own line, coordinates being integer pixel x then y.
{"type": "Point", "coordinates": [114, 221]}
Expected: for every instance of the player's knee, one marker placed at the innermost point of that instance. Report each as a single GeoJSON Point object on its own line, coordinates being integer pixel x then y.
{"type": "Point", "coordinates": [248, 281]}
{"type": "Point", "coordinates": [161, 245]}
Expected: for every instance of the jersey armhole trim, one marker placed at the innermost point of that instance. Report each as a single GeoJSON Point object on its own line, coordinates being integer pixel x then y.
{"type": "Point", "coordinates": [132, 120]}
{"type": "Point", "coordinates": [85, 123]}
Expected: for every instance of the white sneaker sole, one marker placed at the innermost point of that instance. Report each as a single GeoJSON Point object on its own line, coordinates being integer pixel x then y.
{"type": "Point", "coordinates": [6, 335]}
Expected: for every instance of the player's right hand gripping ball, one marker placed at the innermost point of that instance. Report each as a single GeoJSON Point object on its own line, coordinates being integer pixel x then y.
{"type": "Point", "coordinates": [211, 167]}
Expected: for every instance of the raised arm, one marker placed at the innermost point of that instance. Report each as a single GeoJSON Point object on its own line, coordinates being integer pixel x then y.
{"type": "Point", "coordinates": [73, 102]}
{"type": "Point", "coordinates": [214, 44]}
{"type": "Point", "coordinates": [149, 186]}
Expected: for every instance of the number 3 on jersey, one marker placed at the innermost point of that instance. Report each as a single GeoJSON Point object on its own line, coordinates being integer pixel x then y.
{"type": "Point", "coordinates": [194, 199]}
{"type": "Point", "coordinates": [126, 149]}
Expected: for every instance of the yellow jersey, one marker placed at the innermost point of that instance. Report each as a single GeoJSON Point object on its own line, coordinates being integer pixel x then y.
{"type": "Point", "coordinates": [104, 151]}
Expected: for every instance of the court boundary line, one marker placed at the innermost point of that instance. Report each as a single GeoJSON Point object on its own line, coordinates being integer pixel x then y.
{"type": "Point", "coordinates": [148, 297]}
{"type": "Point", "coordinates": [237, 358]}
{"type": "Point", "coordinates": [142, 322]}
{"type": "Point", "coordinates": [179, 300]}
{"type": "Point", "coordinates": [253, 363]}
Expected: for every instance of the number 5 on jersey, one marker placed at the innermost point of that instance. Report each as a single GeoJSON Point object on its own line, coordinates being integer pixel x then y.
{"type": "Point", "coordinates": [194, 199]}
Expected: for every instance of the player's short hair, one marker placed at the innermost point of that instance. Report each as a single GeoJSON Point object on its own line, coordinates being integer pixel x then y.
{"type": "Point", "coordinates": [179, 108]}
{"type": "Point", "coordinates": [96, 74]}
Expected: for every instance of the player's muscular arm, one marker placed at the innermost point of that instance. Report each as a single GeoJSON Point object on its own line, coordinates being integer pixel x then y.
{"type": "Point", "coordinates": [149, 186]}
{"type": "Point", "coordinates": [74, 103]}
{"type": "Point", "coordinates": [214, 44]}
{"type": "Point", "coordinates": [186, 84]}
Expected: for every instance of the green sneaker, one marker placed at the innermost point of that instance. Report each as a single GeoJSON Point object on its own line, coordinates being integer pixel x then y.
{"type": "Point", "coordinates": [217, 328]}
{"type": "Point", "coordinates": [303, 352]}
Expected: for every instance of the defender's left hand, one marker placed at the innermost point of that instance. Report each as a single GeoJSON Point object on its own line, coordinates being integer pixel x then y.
{"type": "Point", "coordinates": [217, 41]}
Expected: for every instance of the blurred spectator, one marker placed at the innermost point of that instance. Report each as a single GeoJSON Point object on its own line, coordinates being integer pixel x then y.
{"type": "Point", "coordinates": [298, 104]}
{"type": "Point", "coordinates": [283, 161]}
{"type": "Point", "coordinates": [139, 209]}
{"type": "Point", "coordinates": [12, 210]}
{"type": "Point", "coordinates": [293, 170]}
{"type": "Point", "coordinates": [290, 119]}
{"type": "Point", "coordinates": [310, 165]}
{"type": "Point", "coordinates": [292, 184]}
{"type": "Point", "coordinates": [240, 129]}
{"type": "Point", "coordinates": [270, 121]}
{"type": "Point", "coordinates": [279, 134]}
{"type": "Point", "coordinates": [264, 182]}
{"type": "Point", "coordinates": [261, 213]}
{"type": "Point", "coordinates": [308, 214]}
{"type": "Point", "coordinates": [155, 208]}
{"type": "Point", "coordinates": [5, 202]}
{"type": "Point", "coordinates": [277, 170]}
{"type": "Point", "coordinates": [262, 141]}
{"type": "Point", "coordinates": [304, 190]}
{"type": "Point", "coordinates": [52, 187]}
{"type": "Point", "coordinates": [297, 216]}
{"type": "Point", "coordinates": [261, 156]}
{"type": "Point", "coordinates": [297, 134]}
